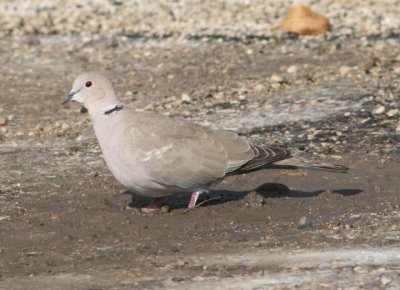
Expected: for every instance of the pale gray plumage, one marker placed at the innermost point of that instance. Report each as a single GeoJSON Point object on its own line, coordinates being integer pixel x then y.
{"type": "Point", "coordinates": [156, 156]}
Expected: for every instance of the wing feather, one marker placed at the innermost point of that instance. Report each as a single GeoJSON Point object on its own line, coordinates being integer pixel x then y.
{"type": "Point", "coordinates": [185, 155]}
{"type": "Point", "coordinates": [189, 155]}
{"type": "Point", "coordinates": [263, 155]}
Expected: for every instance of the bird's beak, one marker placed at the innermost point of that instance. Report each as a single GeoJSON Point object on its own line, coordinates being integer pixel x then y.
{"type": "Point", "coordinates": [69, 97]}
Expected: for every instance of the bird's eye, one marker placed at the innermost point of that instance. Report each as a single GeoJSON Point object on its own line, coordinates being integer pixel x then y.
{"type": "Point", "coordinates": [88, 84]}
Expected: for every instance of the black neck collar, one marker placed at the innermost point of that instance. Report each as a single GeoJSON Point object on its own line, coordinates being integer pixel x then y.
{"type": "Point", "coordinates": [112, 109]}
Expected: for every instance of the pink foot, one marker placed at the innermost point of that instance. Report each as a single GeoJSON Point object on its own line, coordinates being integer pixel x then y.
{"type": "Point", "coordinates": [156, 204]}
{"type": "Point", "coordinates": [193, 199]}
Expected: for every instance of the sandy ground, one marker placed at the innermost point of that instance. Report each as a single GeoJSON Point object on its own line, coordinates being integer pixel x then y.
{"type": "Point", "coordinates": [65, 222]}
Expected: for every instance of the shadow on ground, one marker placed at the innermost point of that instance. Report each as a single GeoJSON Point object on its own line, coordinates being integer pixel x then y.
{"type": "Point", "coordinates": [216, 197]}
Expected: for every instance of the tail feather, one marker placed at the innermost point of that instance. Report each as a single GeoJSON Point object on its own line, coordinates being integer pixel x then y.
{"type": "Point", "coordinates": [280, 158]}
{"type": "Point", "coordinates": [297, 163]}
{"type": "Point", "coordinates": [264, 155]}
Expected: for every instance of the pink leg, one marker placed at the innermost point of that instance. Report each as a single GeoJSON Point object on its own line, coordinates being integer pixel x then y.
{"type": "Point", "coordinates": [193, 199]}
{"type": "Point", "coordinates": [154, 205]}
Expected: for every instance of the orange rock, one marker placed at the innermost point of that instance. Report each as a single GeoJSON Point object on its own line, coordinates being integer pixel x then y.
{"type": "Point", "coordinates": [302, 20]}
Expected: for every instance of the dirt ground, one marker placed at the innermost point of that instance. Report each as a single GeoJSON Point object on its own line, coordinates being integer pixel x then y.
{"type": "Point", "coordinates": [66, 223]}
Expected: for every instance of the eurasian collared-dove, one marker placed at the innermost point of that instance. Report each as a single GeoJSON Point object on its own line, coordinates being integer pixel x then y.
{"type": "Point", "coordinates": [157, 156]}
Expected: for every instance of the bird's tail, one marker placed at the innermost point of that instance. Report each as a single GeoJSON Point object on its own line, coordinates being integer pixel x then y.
{"type": "Point", "coordinates": [297, 163]}
{"type": "Point", "coordinates": [280, 158]}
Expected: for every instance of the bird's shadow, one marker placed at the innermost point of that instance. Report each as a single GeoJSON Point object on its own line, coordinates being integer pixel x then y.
{"type": "Point", "coordinates": [215, 197]}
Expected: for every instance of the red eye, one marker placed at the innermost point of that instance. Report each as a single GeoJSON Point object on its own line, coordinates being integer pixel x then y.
{"type": "Point", "coordinates": [88, 84]}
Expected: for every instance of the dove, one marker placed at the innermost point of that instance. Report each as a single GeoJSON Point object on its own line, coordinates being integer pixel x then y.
{"type": "Point", "coordinates": [157, 156]}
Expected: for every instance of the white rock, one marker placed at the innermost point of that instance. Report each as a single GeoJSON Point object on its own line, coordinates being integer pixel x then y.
{"type": "Point", "coordinates": [396, 70]}
{"type": "Point", "coordinates": [385, 280]}
{"type": "Point", "coordinates": [219, 95]}
{"type": "Point", "coordinates": [292, 69]}
{"type": "Point", "coordinates": [268, 106]}
{"type": "Point", "coordinates": [276, 79]}
{"type": "Point", "coordinates": [185, 114]}
{"type": "Point", "coordinates": [259, 87]}
{"type": "Point", "coordinates": [398, 128]}
{"type": "Point", "coordinates": [344, 70]}
{"type": "Point", "coordinates": [378, 110]}
{"type": "Point", "coordinates": [360, 270]}
{"type": "Point", "coordinates": [65, 126]}
{"type": "Point", "coordinates": [186, 98]}
{"type": "Point", "coordinates": [392, 112]}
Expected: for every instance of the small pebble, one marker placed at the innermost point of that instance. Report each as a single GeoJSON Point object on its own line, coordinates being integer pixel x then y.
{"type": "Point", "coordinates": [165, 209]}
{"type": "Point", "coordinates": [185, 114]}
{"type": "Point", "coordinates": [276, 79]}
{"type": "Point", "coordinates": [65, 126]}
{"type": "Point", "coordinates": [268, 106]}
{"type": "Point", "coordinates": [292, 69]}
{"type": "Point", "coordinates": [254, 200]}
{"type": "Point", "coordinates": [392, 113]}
{"type": "Point", "coordinates": [369, 63]}
{"type": "Point", "coordinates": [303, 223]}
{"type": "Point", "coordinates": [385, 280]}
{"type": "Point", "coordinates": [112, 41]}
{"type": "Point", "coordinates": [218, 96]}
{"type": "Point", "coordinates": [311, 137]}
{"type": "Point", "coordinates": [259, 87]}
{"type": "Point", "coordinates": [186, 98]}
{"type": "Point", "coordinates": [344, 70]}
{"type": "Point", "coordinates": [396, 70]}
{"type": "Point", "coordinates": [398, 128]}
{"type": "Point", "coordinates": [33, 40]}
{"type": "Point", "coordinates": [3, 121]}
{"type": "Point", "coordinates": [378, 110]}
{"type": "Point", "coordinates": [4, 217]}
{"type": "Point", "coordinates": [359, 270]}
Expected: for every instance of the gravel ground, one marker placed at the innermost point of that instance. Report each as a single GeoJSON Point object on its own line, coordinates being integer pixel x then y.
{"type": "Point", "coordinates": [66, 223]}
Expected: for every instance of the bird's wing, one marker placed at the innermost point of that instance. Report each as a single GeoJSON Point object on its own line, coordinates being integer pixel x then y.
{"type": "Point", "coordinates": [264, 157]}
{"type": "Point", "coordinates": [183, 154]}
